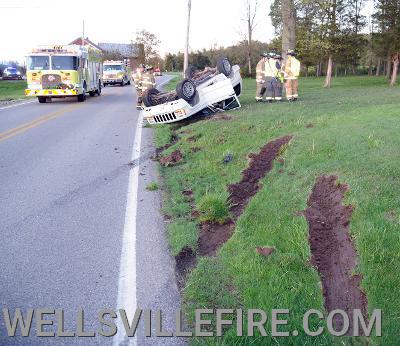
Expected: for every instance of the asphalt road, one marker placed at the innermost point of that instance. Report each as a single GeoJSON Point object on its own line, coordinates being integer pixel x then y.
{"type": "Point", "coordinates": [64, 180]}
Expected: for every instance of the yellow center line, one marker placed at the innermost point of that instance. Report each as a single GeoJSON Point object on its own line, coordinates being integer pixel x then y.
{"type": "Point", "coordinates": [29, 125]}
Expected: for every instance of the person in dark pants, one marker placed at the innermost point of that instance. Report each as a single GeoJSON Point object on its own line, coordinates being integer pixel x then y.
{"type": "Point", "coordinates": [278, 80]}
{"type": "Point", "coordinates": [273, 78]}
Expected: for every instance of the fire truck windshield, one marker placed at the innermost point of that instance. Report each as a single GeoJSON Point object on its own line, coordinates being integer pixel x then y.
{"type": "Point", "coordinates": [112, 67]}
{"type": "Point", "coordinates": [64, 62]}
{"type": "Point", "coordinates": [39, 62]}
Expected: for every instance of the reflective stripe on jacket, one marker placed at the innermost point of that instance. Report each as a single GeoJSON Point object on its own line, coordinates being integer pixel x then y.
{"type": "Point", "coordinates": [144, 81]}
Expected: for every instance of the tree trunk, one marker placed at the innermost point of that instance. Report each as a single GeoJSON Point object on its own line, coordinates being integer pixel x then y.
{"type": "Point", "coordinates": [329, 73]}
{"type": "Point", "coordinates": [186, 55]}
{"type": "Point", "coordinates": [388, 67]}
{"type": "Point", "coordinates": [249, 44]}
{"type": "Point", "coordinates": [395, 69]}
{"type": "Point", "coordinates": [370, 68]}
{"type": "Point", "coordinates": [336, 70]}
{"type": "Point", "coordinates": [378, 67]}
{"type": "Point", "coordinates": [288, 26]}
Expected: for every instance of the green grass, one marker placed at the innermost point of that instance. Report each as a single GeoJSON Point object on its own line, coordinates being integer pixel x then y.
{"type": "Point", "coordinates": [213, 207]}
{"type": "Point", "coordinates": [12, 90]}
{"type": "Point", "coordinates": [153, 186]}
{"type": "Point", "coordinates": [351, 130]}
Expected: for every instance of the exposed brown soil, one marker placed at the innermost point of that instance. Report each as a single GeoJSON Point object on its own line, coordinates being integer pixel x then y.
{"type": "Point", "coordinates": [260, 165]}
{"type": "Point", "coordinates": [173, 140]}
{"type": "Point", "coordinates": [333, 253]}
{"type": "Point", "coordinates": [171, 160]}
{"type": "Point", "coordinates": [221, 116]}
{"type": "Point", "coordinates": [185, 261]}
{"type": "Point", "coordinates": [309, 126]}
{"type": "Point", "coordinates": [265, 251]}
{"type": "Point", "coordinates": [214, 235]}
{"type": "Point", "coordinates": [193, 138]}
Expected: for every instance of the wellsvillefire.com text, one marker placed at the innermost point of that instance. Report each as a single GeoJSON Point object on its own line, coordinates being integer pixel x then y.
{"type": "Point", "coordinates": [207, 323]}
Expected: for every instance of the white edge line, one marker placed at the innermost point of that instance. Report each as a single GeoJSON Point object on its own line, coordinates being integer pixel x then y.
{"type": "Point", "coordinates": [127, 274]}
{"type": "Point", "coordinates": [127, 292]}
{"type": "Point", "coordinates": [17, 105]}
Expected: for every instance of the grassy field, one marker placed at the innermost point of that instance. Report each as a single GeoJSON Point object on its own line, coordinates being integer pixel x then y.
{"type": "Point", "coordinates": [12, 90]}
{"type": "Point", "coordinates": [351, 131]}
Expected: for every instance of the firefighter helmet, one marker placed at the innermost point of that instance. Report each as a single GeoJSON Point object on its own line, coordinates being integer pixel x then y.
{"type": "Point", "coordinates": [291, 52]}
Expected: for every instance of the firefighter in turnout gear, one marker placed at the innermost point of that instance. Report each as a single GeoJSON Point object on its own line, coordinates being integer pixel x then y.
{"type": "Point", "coordinates": [260, 78]}
{"type": "Point", "coordinates": [144, 80]}
{"type": "Point", "coordinates": [279, 78]}
{"type": "Point", "coordinates": [292, 72]}
{"type": "Point", "coordinates": [273, 83]}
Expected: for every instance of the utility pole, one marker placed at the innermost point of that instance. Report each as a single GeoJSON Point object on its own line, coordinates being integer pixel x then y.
{"type": "Point", "coordinates": [186, 55]}
{"type": "Point", "coordinates": [83, 32]}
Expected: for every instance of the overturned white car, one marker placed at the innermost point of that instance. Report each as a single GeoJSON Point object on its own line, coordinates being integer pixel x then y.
{"type": "Point", "coordinates": [209, 91]}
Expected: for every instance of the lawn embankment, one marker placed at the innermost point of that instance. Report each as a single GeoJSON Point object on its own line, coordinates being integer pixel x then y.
{"type": "Point", "coordinates": [12, 90]}
{"type": "Point", "coordinates": [350, 131]}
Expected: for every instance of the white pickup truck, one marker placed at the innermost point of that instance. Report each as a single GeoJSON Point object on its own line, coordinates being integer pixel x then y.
{"type": "Point", "coordinates": [209, 91]}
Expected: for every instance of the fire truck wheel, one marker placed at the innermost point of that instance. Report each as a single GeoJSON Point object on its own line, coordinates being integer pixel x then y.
{"type": "Point", "coordinates": [82, 97]}
{"type": "Point", "coordinates": [190, 71]}
{"type": "Point", "coordinates": [98, 91]}
{"type": "Point", "coordinates": [224, 66]}
{"type": "Point", "coordinates": [148, 97]}
{"type": "Point", "coordinates": [42, 99]}
{"type": "Point", "coordinates": [186, 90]}
{"type": "Point", "coordinates": [92, 93]}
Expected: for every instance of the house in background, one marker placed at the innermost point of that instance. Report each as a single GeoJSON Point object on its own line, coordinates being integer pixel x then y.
{"type": "Point", "coordinates": [85, 41]}
{"type": "Point", "coordinates": [114, 51]}
{"type": "Point", "coordinates": [121, 50]}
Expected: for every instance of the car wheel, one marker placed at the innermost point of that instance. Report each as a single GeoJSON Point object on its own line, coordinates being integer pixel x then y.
{"type": "Point", "coordinates": [190, 71]}
{"type": "Point", "coordinates": [42, 99]}
{"type": "Point", "coordinates": [148, 97]}
{"type": "Point", "coordinates": [224, 66]}
{"type": "Point", "coordinates": [186, 89]}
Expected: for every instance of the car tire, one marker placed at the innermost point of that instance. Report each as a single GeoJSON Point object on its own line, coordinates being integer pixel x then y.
{"type": "Point", "coordinates": [186, 90]}
{"type": "Point", "coordinates": [92, 93]}
{"type": "Point", "coordinates": [42, 99]}
{"type": "Point", "coordinates": [190, 71]}
{"type": "Point", "coordinates": [224, 66]}
{"type": "Point", "coordinates": [148, 98]}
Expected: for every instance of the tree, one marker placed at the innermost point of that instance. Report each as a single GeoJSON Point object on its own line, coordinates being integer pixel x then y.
{"type": "Point", "coordinates": [251, 12]}
{"type": "Point", "coordinates": [186, 54]}
{"type": "Point", "coordinates": [149, 44]}
{"type": "Point", "coordinates": [395, 59]}
{"type": "Point", "coordinates": [387, 16]}
{"type": "Point", "coordinates": [288, 26]}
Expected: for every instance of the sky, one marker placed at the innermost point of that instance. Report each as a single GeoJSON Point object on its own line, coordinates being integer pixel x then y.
{"type": "Point", "coordinates": [25, 24]}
